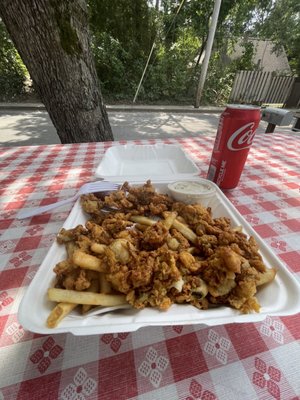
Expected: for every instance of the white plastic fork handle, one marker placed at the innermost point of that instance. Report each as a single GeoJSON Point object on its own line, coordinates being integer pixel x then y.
{"type": "Point", "coordinates": [40, 210]}
{"type": "Point", "coordinates": [49, 207]}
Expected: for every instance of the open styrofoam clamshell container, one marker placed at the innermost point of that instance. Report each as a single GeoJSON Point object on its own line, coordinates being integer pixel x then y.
{"type": "Point", "coordinates": [161, 161]}
{"type": "Point", "coordinates": [279, 298]}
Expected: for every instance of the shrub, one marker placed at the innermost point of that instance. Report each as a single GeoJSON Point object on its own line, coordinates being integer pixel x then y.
{"type": "Point", "coordinates": [12, 70]}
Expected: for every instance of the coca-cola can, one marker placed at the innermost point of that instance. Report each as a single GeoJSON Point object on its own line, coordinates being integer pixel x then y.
{"type": "Point", "coordinates": [235, 134]}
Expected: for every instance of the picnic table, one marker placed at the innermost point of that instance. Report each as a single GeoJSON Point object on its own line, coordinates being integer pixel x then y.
{"type": "Point", "coordinates": [232, 361]}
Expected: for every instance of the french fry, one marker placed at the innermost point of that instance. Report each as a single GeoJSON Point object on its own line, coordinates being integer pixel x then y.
{"type": "Point", "coordinates": [87, 261]}
{"type": "Point", "coordinates": [105, 286]}
{"type": "Point", "coordinates": [59, 312]}
{"type": "Point", "coordinates": [95, 299]}
{"type": "Point", "coordinates": [182, 220]}
{"type": "Point", "coordinates": [169, 219]}
{"type": "Point", "coordinates": [94, 287]}
{"type": "Point", "coordinates": [140, 219]}
{"type": "Point", "coordinates": [185, 231]}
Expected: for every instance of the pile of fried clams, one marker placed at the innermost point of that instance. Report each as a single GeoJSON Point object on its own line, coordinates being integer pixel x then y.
{"type": "Point", "coordinates": [158, 252]}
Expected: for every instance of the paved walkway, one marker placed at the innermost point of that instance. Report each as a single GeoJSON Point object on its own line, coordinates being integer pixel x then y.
{"type": "Point", "coordinates": [122, 107]}
{"type": "Point", "coordinates": [29, 124]}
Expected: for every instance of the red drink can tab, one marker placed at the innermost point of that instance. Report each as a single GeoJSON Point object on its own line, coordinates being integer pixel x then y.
{"type": "Point", "coordinates": [235, 134]}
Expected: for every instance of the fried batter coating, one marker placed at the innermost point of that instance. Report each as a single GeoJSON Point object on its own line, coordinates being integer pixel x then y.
{"type": "Point", "coordinates": [116, 224]}
{"type": "Point", "coordinates": [98, 233]}
{"type": "Point", "coordinates": [192, 214]}
{"type": "Point", "coordinates": [154, 236]}
{"type": "Point", "coordinates": [189, 261]}
{"type": "Point", "coordinates": [91, 204]}
{"type": "Point", "coordinates": [220, 271]}
{"type": "Point", "coordinates": [67, 235]}
{"type": "Point", "coordinates": [206, 244]}
{"type": "Point", "coordinates": [147, 278]}
{"type": "Point", "coordinates": [71, 277]}
{"type": "Point", "coordinates": [183, 243]}
{"type": "Point", "coordinates": [141, 199]}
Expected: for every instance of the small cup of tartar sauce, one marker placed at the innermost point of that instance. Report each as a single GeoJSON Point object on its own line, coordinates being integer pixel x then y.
{"type": "Point", "coordinates": [200, 191]}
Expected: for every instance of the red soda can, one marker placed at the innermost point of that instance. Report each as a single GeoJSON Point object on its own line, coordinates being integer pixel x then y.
{"type": "Point", "coordinates": [235, 134]}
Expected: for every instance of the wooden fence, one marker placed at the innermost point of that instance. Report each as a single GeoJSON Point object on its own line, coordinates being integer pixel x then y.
{"type": "Point", "coordinates": [260, 87]}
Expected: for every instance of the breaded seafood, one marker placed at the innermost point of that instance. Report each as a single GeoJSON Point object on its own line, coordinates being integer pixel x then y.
{"type": "Point", "coordinates": [155, 251]}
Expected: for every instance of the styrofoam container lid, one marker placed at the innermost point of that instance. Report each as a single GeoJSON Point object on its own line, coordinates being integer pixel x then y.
{"type": "Point", "coordinates": [137, 162]}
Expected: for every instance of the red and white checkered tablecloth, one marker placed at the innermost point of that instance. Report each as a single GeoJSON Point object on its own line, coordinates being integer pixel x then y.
{"type": "Point", "coordinates": [235, 361]}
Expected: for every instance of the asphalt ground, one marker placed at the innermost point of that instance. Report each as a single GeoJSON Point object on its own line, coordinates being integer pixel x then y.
{"type": "Point", "coordinates": [25, 127]}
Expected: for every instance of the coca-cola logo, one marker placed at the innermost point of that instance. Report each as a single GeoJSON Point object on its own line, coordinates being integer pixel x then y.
{"type": "Point", "coordinates": [242, 138]}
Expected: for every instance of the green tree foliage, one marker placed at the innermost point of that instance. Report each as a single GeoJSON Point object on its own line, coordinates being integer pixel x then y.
{"type": "Point", "coordinates": [280, 21]}
{"type": "Point", "coordinates": [12, 70]}
{"type": "Point", "coordinates": [171, 76]}
{"type": "Point", "coordinates": [233, 17]}
{"type": "Point", "coordinates": [122, 35]}
{"type": "Point", "coordinates": [123, 32]}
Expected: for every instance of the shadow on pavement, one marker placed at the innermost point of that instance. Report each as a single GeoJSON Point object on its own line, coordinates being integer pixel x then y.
{"type": "Point", "coordinates": [151, 125]}
{"type": "Point", "coordinates": [22, 128]}
{"type": "Point", "coordinates": [26, 128]}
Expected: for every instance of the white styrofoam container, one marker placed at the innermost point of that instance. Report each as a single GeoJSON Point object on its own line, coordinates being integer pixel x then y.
{"type": "Point", "coordinates": [137, 161]}
{"type": "Point", "coordinates": [278, 298]}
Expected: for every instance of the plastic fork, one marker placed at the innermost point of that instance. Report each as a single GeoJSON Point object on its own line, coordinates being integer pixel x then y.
{"type": "Point", "coordinates": [103, 310]}
{"type": "Point", "coordinates": [91, 187]}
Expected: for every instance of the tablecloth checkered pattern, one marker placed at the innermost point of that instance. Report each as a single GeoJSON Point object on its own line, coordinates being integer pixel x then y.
{"type": "Point", "coordinates": [235, 361]}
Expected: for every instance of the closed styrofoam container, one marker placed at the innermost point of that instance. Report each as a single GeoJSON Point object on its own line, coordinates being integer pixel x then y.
{"type": "Point", "coordinates": [134, 162]}
{"type": "Point", "coordinates": [279, 298]}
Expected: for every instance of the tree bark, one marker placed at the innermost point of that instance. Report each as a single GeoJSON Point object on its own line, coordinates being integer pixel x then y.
{"type": "Point", "coordinates": [52, 37]}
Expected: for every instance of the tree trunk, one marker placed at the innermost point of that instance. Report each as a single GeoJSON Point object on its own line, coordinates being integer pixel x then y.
{"type": "Point", "coordinates": [52, 38]}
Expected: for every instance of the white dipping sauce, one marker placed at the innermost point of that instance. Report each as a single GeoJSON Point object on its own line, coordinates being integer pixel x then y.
{"type": "Point", "coordinates": [200, 191]}
{"type": "Point", "coordinates": [192, 187]}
